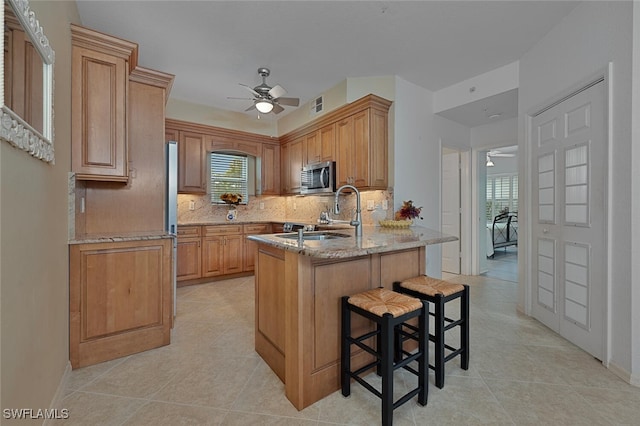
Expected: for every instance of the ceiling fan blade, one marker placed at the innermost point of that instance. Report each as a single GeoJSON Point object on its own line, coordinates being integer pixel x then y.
{"type": "Point", "coordinates": [276, 91]}
{"type": "Point", "coordinates": [502, 155]}
{"type": "Point", "coordinates": [250, 89]}
{"type": "Point", "coordinates": [288, 101]}
{"type": "Point", "coordinates": [250, 108]}
{"type": "Point", "coordinates": [277, 109]}
{"type": "Point", "coordinates": [244, 99]}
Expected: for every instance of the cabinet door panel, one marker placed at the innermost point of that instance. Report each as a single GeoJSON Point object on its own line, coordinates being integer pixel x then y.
{"type": "Point", "coordinates": [360, 149]}
{"type": "Point", "coordinates": [188, 264]}
{"type": "Point", "coordinates": [297, 155]}
{"type": "Point", "coordinates": [378, 146]}
{"type": "Point", "coordinates": [120, 299]}
{"type": "Point", "coordinates": [212, 256]}
{"type": "Point", "coordinates": [233, 254]}
{"type": "Point", "coordinates": [327, 137]}
{"type": "Point", "coordinates": [344, 155]}
{"type": "Point", "coordinates": [314, 149]}
{"type": "Point", "coordinates": [191, 163]}
{"type": "Point", "coordinates": [130, 293]}
{"type": "Point", "coordinates": [99, 126]}
{"type": "Point", "coordinates": [270, 169]}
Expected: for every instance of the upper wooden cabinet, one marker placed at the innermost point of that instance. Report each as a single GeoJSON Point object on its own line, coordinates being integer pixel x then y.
{"type": "Point", "coordinates": [195, 141]}
{"type": "Point", "coordinates": [192, 159]}
{"type": "Point", "coordinates": [362, 150]}
{"type": "Point", "coordinates": [270, 169]}
{"type": "Point", "coordinates": [355, 136]}
{"type": "Point", "coordinates": [321, 144]}
{"type": "Point", "coordinates": [100, 68]}
{"type": "Point", "coordinates": [294, 157]}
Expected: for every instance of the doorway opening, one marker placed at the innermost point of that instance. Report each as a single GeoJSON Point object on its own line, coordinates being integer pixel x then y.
{"type": "Point", "coordinates": [501, 213]}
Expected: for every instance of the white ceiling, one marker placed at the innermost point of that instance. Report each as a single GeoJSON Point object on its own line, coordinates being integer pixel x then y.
{"type": "Point", "coordinates": [310, 46]}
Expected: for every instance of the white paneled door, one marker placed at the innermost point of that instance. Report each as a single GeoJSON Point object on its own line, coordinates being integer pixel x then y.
{"type": "Point", "coordinates": [451, 210]}
{"type": "Point", "coordinates": [569, 256]}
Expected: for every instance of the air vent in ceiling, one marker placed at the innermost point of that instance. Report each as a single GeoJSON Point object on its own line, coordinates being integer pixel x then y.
{"type": "Point", "coordinates": [317, 105]}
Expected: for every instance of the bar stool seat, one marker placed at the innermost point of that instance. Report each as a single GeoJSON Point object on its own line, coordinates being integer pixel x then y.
{"type": "Point", "coordinates": [440, 292]}
{"type": "Point", "coordinates": [390, 311]}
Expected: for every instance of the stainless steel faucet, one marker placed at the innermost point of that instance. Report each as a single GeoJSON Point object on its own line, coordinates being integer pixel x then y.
{"type": "Point", "coordinates": [357, 222]}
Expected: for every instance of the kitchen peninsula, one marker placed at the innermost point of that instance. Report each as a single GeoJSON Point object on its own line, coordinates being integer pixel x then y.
{"type": "Point", "coordinates": [298, 288]}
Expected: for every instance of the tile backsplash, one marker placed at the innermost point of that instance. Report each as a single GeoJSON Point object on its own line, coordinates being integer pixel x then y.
{"type": "Point", "coordinates": [282, 208]}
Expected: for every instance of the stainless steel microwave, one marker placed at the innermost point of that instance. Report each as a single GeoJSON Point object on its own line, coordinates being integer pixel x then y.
{"type": "Point", "coordinates": [318, 178]}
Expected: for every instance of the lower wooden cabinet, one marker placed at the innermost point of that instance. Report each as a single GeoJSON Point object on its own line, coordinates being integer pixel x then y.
{"type": "Point", "coordinates": [222, 250]}
{"type": "Point", "coordinates": [120, 299]}
{"type": "Point", "coordinates": [188, 258]}
{"type": "Point", "coordinates": [216, 250]}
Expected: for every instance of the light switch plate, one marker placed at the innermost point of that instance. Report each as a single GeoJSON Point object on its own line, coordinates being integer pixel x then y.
{"type": "Point", "coordinates": [370, 205]}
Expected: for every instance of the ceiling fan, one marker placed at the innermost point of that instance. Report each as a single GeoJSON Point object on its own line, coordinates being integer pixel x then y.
{"type": "Point", "coordinates": [497, 153]}
{"type": "Point", "coordinates": [266, 98]}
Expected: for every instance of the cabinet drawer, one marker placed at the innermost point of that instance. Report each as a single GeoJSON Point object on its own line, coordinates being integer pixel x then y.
{"type": "Point", "coordinates": [222, 230]}
{"type": "Point", "coordinates": [188, 231]}
{"type": "Point", "coordinates": [260, 228]}
{"type": "Point", "coordinates": [277, 227]}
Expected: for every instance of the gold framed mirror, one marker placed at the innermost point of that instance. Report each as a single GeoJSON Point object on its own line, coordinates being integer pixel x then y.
{"type": "Point", "coordinates": [26, 91]}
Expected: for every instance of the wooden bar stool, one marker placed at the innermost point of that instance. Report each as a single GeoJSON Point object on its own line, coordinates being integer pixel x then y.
{"type": "Point", "coordinates": [389, 310]}
{"type": "Point", "coordinates": [440, 292]}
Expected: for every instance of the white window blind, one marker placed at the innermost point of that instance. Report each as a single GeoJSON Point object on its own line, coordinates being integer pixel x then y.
{"type": "Point", "coordinates": [502, 193]}
{"type": "Point", "coordinates": [228, 174]}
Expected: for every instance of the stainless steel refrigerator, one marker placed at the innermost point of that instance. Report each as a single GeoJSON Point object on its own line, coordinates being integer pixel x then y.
{"type": "Point", "coordinates": [171, 209]}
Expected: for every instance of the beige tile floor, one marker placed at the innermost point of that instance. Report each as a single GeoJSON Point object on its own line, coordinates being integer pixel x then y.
{"type": "Point", "coordinates": [520, 373]}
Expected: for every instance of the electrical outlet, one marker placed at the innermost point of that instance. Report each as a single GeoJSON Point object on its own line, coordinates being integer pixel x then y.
{"type": "Point", "coordinates": [370, 205]}
{"type": "Point", "coordinates": [385, 205]}
{"type": "Point", "coordinates": [261, 205]}
{"type": "Point", "coordinates": [192, 205]}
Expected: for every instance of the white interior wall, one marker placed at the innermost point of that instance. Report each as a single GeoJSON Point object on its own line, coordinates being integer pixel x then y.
{"type": "Point", "coordinates": [593, 34]}
{"type": "Point", "coordinates": [415, 148]}
{"type": "Point", "coordinates": [635, 200]}
{"type": "Point", "coordinates": [503, 165]}
{"type": "Point", "coordinates": [417, 138]}
{"type": "Point", "coordinates": [475, 88]}
{"type": "Point", "coordinates": [187, 111]}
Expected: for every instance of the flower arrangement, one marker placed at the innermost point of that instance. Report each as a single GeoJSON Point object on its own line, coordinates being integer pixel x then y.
{"type": "Point", "coordinates": [408, 211]}
{"type": "Point", "coordinates": [231, 198]}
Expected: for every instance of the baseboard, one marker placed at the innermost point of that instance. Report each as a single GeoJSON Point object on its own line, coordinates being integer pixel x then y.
{"type": "Point", "coordinates": [56, 402]}
{"type": "Point", "coordinates": [632, 379]}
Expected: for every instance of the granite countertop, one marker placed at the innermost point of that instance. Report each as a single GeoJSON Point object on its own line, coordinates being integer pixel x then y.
{"type": "Point", "coordinates": [118, 237]}
{"type": "Point", "coordinates": [374, 239]}
{"type": "Point", "coordinates": [228, 222]}
{"type": "Point", "coordinates": [319, 226]}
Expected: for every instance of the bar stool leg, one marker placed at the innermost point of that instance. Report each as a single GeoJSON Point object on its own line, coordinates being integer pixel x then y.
{"type": "Point", "coordinates": [387, 339]}
{"type": "Point", "coordinates": [345, 355]}
{"type": "Point", "coordinates": [423, 361]}
{"type": "Point", "coordinates": [439, 341]}
{"type": "Point", "coordinates": [464, 333]}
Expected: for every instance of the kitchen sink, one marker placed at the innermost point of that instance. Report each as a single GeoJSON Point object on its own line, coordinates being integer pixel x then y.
{"type": "Point", "coordinates": [315, 235]}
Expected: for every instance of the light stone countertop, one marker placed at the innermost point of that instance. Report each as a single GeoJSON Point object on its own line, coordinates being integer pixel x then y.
{"type": "Point", "coordinates": [120, 237]}
{"type": "Point", "coordinates": [374, 239]}
{"type": "Point", "coordinates": [229, 222]}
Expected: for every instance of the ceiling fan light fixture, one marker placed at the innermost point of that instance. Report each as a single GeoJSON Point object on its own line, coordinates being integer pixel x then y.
{"type": "Point", "coordinates": [264, 106]}
{"type": "Point", "coordinates": [489, 162]}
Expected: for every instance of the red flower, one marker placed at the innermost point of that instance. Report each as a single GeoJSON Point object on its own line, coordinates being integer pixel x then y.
{"type": "Point", "coordinates": [408, 211]}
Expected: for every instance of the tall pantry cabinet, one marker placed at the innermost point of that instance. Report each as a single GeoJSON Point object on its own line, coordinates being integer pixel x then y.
{"type": "Point", "coordinates": [120, 288]}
